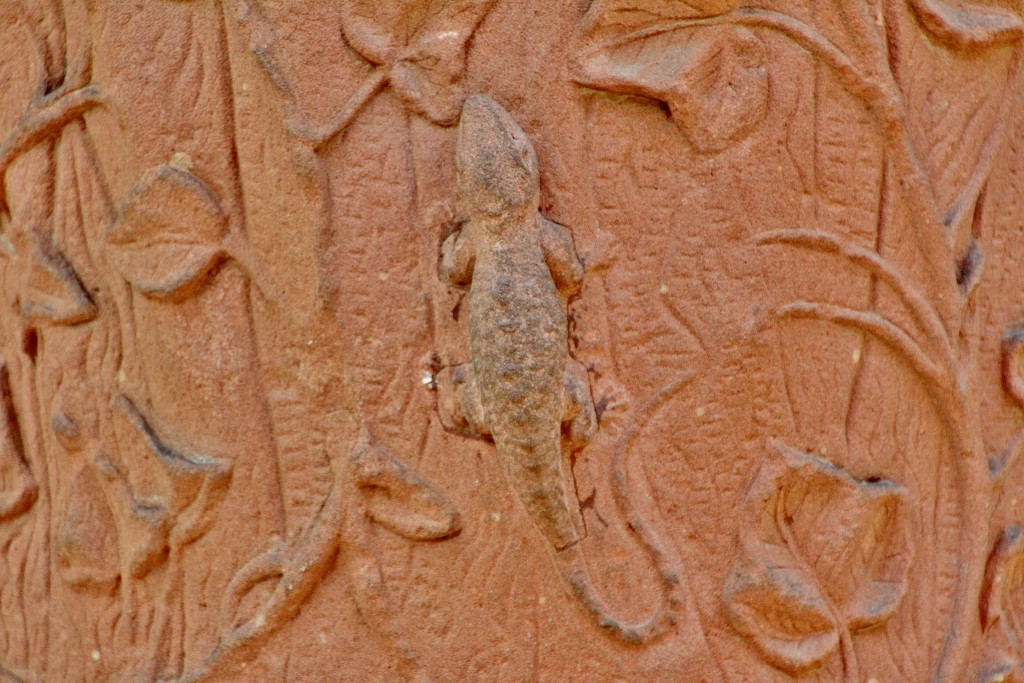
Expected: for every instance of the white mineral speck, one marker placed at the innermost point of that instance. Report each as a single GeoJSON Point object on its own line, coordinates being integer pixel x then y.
{"type": "Point", "coordinates": [181, 161]}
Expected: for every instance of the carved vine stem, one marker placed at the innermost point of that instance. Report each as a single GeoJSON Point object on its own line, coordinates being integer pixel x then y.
{"type": "Point", "coordinates": [950, 389]}
{"type": "Point", "coordinates": [45, 118]}
{"type": "Point", "coordinates": [664, 563]}
{"type": "Point", "coordinates": [961, 208]}
{"type": "Point", "coordinates": [320, 136]}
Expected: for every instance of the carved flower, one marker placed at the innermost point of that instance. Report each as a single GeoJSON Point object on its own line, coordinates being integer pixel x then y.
{"type": "Point", "coordinates": [168, 236]}
{"type": "Point", "coordinates": [822, 555]}
{"type": "Point", "coordinates": [712, 77]}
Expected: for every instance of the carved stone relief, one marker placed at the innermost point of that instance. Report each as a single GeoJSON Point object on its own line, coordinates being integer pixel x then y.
{"type": "Point", "coordinates": [484, 340]}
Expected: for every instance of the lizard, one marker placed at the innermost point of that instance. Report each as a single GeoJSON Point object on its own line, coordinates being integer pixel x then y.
{"type": "Point", "coordinates": [522, 384]}
{"type": "Point", "coordinates": [522, 387]}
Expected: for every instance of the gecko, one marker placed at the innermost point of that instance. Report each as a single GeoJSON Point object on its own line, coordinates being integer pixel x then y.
{"type": "Point", "coordinates": [522, 385]}
{"type": "Point", "coordinates": [522, 388]}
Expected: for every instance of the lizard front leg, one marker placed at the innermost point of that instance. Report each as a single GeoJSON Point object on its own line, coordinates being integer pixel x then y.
{"type": "Point", "coordinates": [560, 256]}
{"type": "Point", "coordinates": [457, 259]}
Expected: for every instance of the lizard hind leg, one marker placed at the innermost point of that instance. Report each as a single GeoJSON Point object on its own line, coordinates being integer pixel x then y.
{"type": "Point", "coordinates": [579, 418]}
{"type": "Point", "coordinates": [579, 424]}
{"type": "Point", "coordinates": [459, 401]}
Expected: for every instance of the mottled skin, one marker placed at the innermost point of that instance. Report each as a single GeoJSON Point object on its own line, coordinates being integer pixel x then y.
{"type": "Point", "coordinates": [522, 385]}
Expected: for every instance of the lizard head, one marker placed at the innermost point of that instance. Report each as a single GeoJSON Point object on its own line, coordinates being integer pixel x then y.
{"type": "Point", "coordinates": [497, 168]}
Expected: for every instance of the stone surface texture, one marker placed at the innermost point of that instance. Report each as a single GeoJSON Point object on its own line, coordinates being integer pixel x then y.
{"type": "Point", "coordinates": [597, 341]}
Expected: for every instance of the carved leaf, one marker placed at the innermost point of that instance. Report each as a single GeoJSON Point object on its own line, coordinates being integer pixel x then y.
{"type": "Point", "coordinates": [168, 236]}
{"type": "Point", "coordinates": [822, 553]}
{"type": "Point", "coordinates": [13, 465]}
{"type": "Point", "coordinates": [87, 536]}
{"type": "Point", "coordinates": [713, 78]}
{"type": "Point", "coordinates": [398, 499]}
{"type": "Point", "coordinates": [54, 293]}
{"type": "Point", "coordinates": [609, 15]}
{"type": "Point", "coordinates": [143, 522]}
{"type": "Point", "coordinates": [964, 25]}
{"type": "Point", "coordinates": [198, 483]}
{"type": "Point", "coordinates": [775, 603]}
{"type": "Point", "coordinates": [1004, 574]}
{"type": "Point", "coordinates": [424, 44]}
{"type": "Point", "coordinates": [1003, 660]}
